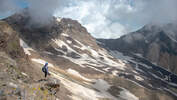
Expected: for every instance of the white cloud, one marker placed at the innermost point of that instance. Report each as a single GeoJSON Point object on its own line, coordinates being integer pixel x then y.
{"type": "Point", "coordinates": [102, 18]}
{"type": "Point", "coordinates": [113, 18]}
{"type": "Point", "coordinates": [41, 12]}
{"type": "Point", "coordinates": [94, 15]}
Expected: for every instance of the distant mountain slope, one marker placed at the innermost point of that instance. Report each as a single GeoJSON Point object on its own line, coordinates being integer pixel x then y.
{"type": "Point", "coordinates": [157, 43]}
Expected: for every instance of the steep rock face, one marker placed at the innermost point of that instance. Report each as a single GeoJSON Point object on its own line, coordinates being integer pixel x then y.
{"type": "Point", "coordinates": [156, 43]}
{"type": "Point", "coordinates": [19, 77]}
{"type": "Point", "coordinates": [9, 41]}
{"type": "Point", "coordinates": [11, 46]}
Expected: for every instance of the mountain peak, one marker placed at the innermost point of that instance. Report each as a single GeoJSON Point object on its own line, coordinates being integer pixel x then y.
{"type": "Point", "coordinates": [31, 31]}
{"type": "Point", "coordinates": [154, 42]}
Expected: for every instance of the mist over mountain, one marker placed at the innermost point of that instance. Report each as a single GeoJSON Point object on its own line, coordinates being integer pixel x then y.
{"type": "Point", "coordinates": [102, 18]}
{"type": "Point", "coordinates": [40, 12]}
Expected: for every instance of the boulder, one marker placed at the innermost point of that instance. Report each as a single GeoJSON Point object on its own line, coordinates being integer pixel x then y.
{"type": "Point", "coordinates": [53, 85]}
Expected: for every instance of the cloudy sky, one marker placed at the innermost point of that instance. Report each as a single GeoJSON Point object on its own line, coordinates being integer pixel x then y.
{"type": "Point", "coordinates": [102, 18]}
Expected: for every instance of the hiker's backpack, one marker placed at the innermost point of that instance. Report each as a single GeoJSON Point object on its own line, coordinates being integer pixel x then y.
{"type": "Point", "coordinates": [43, 69]}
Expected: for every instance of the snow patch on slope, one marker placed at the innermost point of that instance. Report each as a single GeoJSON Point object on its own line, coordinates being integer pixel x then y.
{"type": "Point", "coordinates": [127, 95]}
{"type": "Point", "coordinates": [119, 55]}
{"type": "Point", "coordinates": [40, 61]}
{"type": "Point", "coordinates": [101, 85]}
{"type": "Point", "coordinates": [49, 53]}
{"type": "Point", "coordinates": [98, 60]}
{"type": "Point", "coordinates": [74, 72]}
{"type": "Point", "coordinates": [61, 43]}
{"type": "Point", "coordinates": [80, 92]}
{"type": "Point", "coordinates": [68, 41]}
{"type": "Point", "coordinates": [58, 19]}
{"type": "Point", "coordinates": [65, 35]}
{"type": "Point", "coordinates": [86, 59]}
{"type": "Point", "coordinates": [25, 47]}
{"type": "Point", "coordinates": [138, 78]}
{"type": "Point", "coordinates": [100, 53]}
{"type": "Point", "coordinates": [115, 72]}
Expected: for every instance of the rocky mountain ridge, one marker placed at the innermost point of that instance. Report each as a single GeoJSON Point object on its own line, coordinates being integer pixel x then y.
{"type": "Point", "coordinates": [157, 43]}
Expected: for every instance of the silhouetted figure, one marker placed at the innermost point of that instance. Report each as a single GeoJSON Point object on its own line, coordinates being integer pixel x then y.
{"type": "Point", "coordinates": [45, 69]}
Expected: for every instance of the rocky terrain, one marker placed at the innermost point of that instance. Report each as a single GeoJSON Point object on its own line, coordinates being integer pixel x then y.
{"type": "Point", "coordinates": [19, 79]}
{"type": "Point", "coordinates": [80, 69]}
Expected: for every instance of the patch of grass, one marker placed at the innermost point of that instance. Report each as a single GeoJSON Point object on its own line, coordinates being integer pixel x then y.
{"type": "Point", "coordinates": [15, 72]}
{"type": "Point", "coordinates": [13, 45]}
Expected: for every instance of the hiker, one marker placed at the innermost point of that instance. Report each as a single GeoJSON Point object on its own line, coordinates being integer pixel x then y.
{"type": "Point", "coordinates": [45, 69]}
